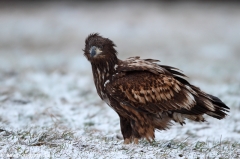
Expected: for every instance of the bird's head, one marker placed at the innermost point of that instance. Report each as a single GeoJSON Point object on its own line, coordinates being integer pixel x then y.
{"type": "Point", "coordinates": [99, 48]}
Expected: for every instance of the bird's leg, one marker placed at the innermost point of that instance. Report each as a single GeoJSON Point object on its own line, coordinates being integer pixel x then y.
{"type": "Point", "coordinates": [126, 130]}
{"type": "Point", "coordinates": [136, 135]}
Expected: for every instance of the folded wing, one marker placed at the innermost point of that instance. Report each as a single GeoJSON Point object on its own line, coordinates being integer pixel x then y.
{"type": "Point", "coordinates": [147, 86]}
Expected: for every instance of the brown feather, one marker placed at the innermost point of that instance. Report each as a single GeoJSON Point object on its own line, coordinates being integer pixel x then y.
{"type": "Point", "coordinates": [146, 95]}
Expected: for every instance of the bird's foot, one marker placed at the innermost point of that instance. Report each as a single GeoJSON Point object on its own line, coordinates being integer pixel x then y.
{"type": "Point", "coordinates": [127, 141]}
{"type": "Point", "coordinates": [135, 140]}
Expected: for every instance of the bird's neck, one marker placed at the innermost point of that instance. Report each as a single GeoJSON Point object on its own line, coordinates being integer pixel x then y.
{"type": "Point", "coordinates": [102, 73]}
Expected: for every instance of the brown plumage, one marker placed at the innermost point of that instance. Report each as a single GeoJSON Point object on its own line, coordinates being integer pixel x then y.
{"type": "Point", "coordinates": [146, 96]}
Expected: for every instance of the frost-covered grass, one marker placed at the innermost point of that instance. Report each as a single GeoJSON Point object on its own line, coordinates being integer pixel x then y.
{"type": "Point", "coordinates": [49, 107]}
{"type": "Point", "coordinates": [55, 114]}
{"type": "Point", "coordinates": [55, 143]}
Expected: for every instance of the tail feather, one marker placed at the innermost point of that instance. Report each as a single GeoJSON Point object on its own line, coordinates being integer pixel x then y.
{"type": "Point", "coordinates": [217, 110]}
{"type": "Point", "coordinates": [220, 108]}
{"type": "Point", "coordinates": [206, 103]}
{"type": "Point", "coordinates": [218, 102]}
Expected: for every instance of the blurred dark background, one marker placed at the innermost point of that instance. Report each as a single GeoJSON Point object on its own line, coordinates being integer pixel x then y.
{"type": "Point", "coordinates": [201, 38]}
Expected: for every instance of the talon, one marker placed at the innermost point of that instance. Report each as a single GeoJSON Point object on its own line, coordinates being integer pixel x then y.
{"type": "Point", "coordinates": [135, 141]}
{"type": "Point", "coordinates": [127, 141]}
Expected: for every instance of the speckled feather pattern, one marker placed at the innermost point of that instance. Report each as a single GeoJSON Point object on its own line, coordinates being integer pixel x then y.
{"type": "Point", "coordinates": [146, 95]}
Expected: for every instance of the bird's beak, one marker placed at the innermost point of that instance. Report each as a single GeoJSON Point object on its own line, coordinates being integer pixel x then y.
{"type": "Point", "coordinates": [94, 51]}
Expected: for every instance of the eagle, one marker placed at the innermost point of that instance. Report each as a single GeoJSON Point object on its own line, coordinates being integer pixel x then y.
{"type": "Point", "coordinates": [146, 96]}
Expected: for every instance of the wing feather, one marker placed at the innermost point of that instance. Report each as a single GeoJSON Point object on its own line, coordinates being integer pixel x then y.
{"type": "Point", "coordinates": [148, 87]}
{"type": "Point", "coordinates": [150, 92]}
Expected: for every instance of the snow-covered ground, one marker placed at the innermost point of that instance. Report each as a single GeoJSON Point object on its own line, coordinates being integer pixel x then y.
{"type": "Point", "coordinates": [48, 103]}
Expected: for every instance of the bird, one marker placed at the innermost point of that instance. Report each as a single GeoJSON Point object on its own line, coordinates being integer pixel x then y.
{"type": "Point", "coordinates": [146, 96]}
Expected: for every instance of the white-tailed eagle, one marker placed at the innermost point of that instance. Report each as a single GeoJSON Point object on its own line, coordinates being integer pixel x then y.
{"type": "Point", "coordinates": [146, 95]}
